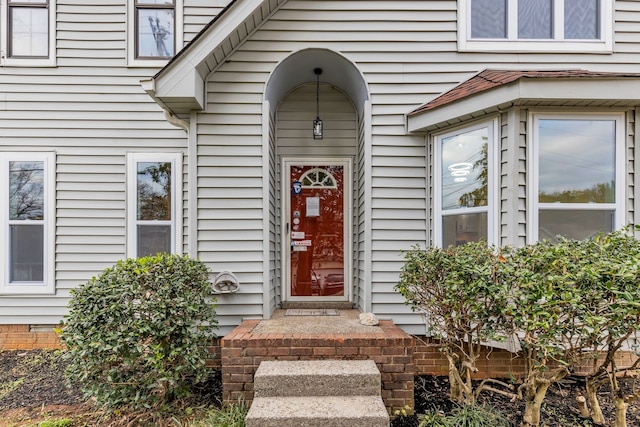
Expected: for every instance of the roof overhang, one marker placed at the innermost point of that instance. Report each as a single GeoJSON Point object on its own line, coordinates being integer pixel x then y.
{"type": "Point", "coordinates": [623, 92]}
{"type": "Point", "coordinates": [180, 86]}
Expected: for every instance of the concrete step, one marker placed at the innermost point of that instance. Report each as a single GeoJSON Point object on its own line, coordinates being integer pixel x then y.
{"type": "Point", "coordinates": [317, 378]}
{"type": "Point", "coordinates": [318, 411]}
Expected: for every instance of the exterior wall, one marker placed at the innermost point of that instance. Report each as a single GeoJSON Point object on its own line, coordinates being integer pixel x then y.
{"type": "Point", "coordinates": [91, 111]}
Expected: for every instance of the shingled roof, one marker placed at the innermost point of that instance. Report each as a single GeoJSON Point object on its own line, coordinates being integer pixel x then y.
{"type": "Point", "coordinates": [489, 79]}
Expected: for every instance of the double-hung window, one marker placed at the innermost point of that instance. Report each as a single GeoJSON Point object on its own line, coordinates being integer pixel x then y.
{"type": "Point", "coordinates": [536, 25]}
{"type": "Point", "coordinates": [577, 187]}
{"type": "Point", "coordinates": [28, 36]}
{"type": "Point", "coordinates": [154, 31]}
{"type": "Point", "coordinates": [464, 185]}
{"type": "Point", "coordinates": [154, 208]}
{"type": "Point", "coordinates": [28, 218]}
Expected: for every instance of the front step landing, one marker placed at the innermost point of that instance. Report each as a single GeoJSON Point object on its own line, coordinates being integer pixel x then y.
{"type": "Point", "coordinates": [317, 393]}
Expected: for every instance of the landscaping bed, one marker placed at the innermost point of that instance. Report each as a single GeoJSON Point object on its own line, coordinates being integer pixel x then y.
{"type": "Point", "coordinates": [33, 390]}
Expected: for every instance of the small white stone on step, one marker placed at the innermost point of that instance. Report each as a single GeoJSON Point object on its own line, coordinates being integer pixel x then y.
{"type": "Point", "coordinates": [368, 319]}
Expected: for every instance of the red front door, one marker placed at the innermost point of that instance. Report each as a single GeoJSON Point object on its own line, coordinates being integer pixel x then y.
{"type": "Point", "coordinates": [316, 226]}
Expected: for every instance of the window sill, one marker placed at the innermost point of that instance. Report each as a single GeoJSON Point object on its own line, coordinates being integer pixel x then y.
{"type": "Point", "coordinates": [536, 46]}
{"type": "Point", "coordinates": [147, 63]}
{"type": "Point", "coordinates": [35, 289]}
{"type": "Point", "coordinates": [28, 62]}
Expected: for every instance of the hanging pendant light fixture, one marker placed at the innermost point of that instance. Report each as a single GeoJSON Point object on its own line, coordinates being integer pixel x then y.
{"type": "Point", "coordinates": [317, 123]}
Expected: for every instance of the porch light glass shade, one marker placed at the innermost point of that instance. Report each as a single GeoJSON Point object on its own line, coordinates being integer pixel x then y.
{"type": "Point", "coordinates": [317, 128]}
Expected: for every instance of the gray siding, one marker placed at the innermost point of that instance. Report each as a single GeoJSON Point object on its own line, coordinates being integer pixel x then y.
{"type": "Point", "coordinates": [91, 110]}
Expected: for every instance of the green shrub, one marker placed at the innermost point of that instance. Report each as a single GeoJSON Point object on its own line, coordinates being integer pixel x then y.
{"type": "Point", "coordinates": [462, 294]}
{"type": "Point", "coordinates": [137, 335]}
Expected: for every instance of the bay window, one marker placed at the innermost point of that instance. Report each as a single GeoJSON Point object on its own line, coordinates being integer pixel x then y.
{"type": "Point", "coordinates": [577, 179]}
{"type": "Point", "coordinates": [464, 185]}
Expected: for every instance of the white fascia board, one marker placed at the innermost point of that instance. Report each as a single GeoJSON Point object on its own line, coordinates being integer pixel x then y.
{"type": "Point", "coordinates": [180, 79]}
{"type": "Point", "coordinates": [528, 89]}
{"type": "Point", "coordinates": [625, 89]}
{"type": "Point", "coordinates": [463, 107]}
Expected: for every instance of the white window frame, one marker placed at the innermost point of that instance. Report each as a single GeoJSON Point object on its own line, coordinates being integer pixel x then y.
{"type": "Point", "coordinates": [22, 61]}
{"type": "Point", "coordinates": [492, 196]}
{"type": "Point", "coordinates": [132, 61]}
{"type": "Point", "coordinates": [532, 155]}
{"type": "Point", "coordinates": [513, 44]}
{"type": "Point", "coordinates": [176, 198]}
{"type": "Point", "coordinates": [47, 286]}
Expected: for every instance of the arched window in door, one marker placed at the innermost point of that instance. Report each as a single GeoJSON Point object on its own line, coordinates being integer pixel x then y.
{"type": "Point", "coordinates": [318, 177]}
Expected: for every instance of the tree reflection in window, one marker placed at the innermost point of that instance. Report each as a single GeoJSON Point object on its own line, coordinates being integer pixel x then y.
{"type": "Point", "coordinates": [26, 190]}
{"type": "Point", "coordinates": [154, 191]}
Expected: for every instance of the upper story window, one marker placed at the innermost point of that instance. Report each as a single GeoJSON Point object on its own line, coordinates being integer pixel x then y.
{"type": "Point", "coordinates": [577, 187]}
{"type": "Point", "coordinates": [536, 25]}
{"type": "Point", "coordinates": [154, 208]}
{"type": "Point", "coordinates": [28, 39]}
{"type": "Point", "coordinates": [154, 31]}
{"type": "Point", "coordinates": [464, 186]}
{"type": "Point", "coordinates": [27, 217]}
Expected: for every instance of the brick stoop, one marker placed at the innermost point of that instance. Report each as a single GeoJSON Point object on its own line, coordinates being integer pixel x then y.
{"type": "Point", "coordinates": [242, 351]}
{"type": "Point", "coordinates": [25, 337]}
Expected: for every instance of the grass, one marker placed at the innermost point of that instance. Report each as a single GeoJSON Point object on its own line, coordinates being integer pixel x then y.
{"type": "Point", "coordinates": [232, 415]}
{"type": "Point", "coordinates": [466, 416]}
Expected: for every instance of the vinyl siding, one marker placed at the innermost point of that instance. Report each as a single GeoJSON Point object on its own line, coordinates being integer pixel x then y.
{"type": "Point", "coordinates": [409, 56]}
{"type": "Point", "coordinates": [91, 110]}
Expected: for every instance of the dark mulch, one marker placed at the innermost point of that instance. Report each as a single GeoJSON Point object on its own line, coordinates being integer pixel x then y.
{"type": "Point", "coordinates": [32, 388]}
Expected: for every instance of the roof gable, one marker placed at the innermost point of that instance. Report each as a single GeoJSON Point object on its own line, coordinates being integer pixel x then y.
{"type": "Point", "coordinates": [179, 86]}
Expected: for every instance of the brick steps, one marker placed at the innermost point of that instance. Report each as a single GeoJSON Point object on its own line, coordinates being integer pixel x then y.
{"type": "Point", "coordinates": [319, 393]}
{"type": "Point", "coordinates": [243, 350]}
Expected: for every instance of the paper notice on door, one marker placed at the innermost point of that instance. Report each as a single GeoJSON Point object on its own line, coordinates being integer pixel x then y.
{"type": "Point", "coordinates": [313, 206]}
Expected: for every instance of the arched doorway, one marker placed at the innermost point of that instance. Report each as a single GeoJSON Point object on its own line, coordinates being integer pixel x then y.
{"type": "Point", "coordinates": [314, 233]}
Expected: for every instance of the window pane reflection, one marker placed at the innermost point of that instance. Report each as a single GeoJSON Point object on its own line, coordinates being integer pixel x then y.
{"type": "Point", "coordinates": [26, 262]}
{"type": "Point", "coordinates": [155, 33]}
{"type": "Point", "coordinates": [26, 190]}
{"type": "Point", "coordinates": [581, 19]}
{"type": "Point", "coordinates": [534, 19]}
{"type": "Point", "coordinates": [464, 170]}
{"type": "Point", "coordinates": [577, 161]}
{"type": "Point", "coordinates": [489, 19]}
{"type": "Point", "coordinates": [153, 239]}
{"type": "Point", "coordinates": [460, 229]}
{"type": "Point", "coordinates": [29, 32]}
{"type": "Point", "coordinates": [154, 190]}
{"type": "Point", "coordinates": [573, 224]}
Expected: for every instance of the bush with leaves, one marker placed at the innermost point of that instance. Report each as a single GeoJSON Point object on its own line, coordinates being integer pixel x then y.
{"type": "Point", "coordinates": [546, 307]}
{"type": "Point", "coordinates": [137, 335]}
{"type": "Point", "coordinates": [613, 316]}
{"type": "Point", "coordinates": [462, 295]}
